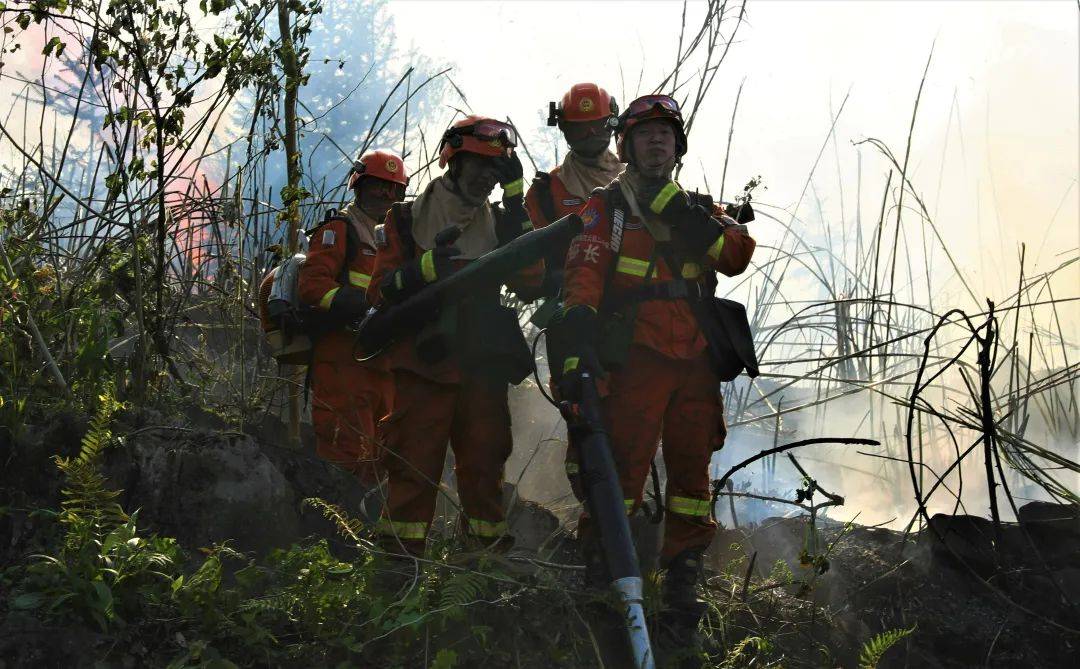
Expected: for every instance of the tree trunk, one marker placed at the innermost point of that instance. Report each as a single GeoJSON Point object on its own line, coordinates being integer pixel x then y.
{"type": "Point", "coordinates": [291, 197]}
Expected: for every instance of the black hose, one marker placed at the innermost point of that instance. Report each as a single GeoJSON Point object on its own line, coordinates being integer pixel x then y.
{"type": "Point", "coordinates": [536, 370]}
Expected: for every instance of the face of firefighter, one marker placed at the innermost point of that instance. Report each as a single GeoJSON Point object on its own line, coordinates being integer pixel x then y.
{"type": "Point", "coordinates": [587, 138]}
{"type": "Point", "coordinates": [474, 176]}
{"type": "Point", "coordinates": [376, 195]}
{"type": "Point", "coordinates": [653, 147]}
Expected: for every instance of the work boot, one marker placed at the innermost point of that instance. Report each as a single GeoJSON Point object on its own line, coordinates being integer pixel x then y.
{"type": "Point", "coordinates": [680, 589]}
{"type": "Point", "coordinates": [678, 639]}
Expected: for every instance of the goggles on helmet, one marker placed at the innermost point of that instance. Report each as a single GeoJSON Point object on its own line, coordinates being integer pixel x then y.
{"type": "Point", "coordinates": [494, 131]}
{"type": "Point", "coordinates": [648, 103]}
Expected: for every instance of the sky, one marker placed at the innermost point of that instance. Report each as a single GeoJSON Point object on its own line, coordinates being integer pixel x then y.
{"type": "Point", "coordinates": [995, 143]}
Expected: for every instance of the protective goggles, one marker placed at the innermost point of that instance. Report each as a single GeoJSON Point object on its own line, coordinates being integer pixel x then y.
{"type": "Point", "coordinates": [485, 130]}
{"type": "Point", "coordinates": [648, 103]}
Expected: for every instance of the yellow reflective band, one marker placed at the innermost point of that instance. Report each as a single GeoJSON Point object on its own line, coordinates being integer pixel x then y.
{"type": "Point", "coordinates": [513, 188]}
{"type": "Point", "coordinates": [688, 506]}
{"type": "Point", "coordinates": [572, 468]}
{"type": "Point", "coordinates": [399, 280]}
{"type": "Point", "coordinates": [716, 248]}
{"type": "Point", "coordinates": [663, 197]}
{"type": "Point", "coordinates": [402, 530]}
{"type": "Point", "coordinates": [570, 364]}
{"type": "Point", "coordinates": [324, 303]}
{"type": "Point", "coordinates": [487, 528]}
{"type": "Point", "coordinates": [691, 270]}
{"type": "Point", "coordinates": [427, 266]}
{"type": "Point", "coordinates": [632, 266]}
{"type": "Point", "coordinates": [629, 504]}
{"type": "Point", "coordinates": [358, 279]}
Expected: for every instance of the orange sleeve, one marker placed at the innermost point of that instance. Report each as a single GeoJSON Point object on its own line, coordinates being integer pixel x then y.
{"type": "Point", "coordinates": [532, 205]}
{"type": "Point", "coordinates": [388, 257]}
{"type": "Point", "coordinates": [735, 256]}
{"type": "Point", "coordinates": [319, 275]}
{"type": "Point", "coordinates": [730, 254]}
{"type": "Point", "coordinates": [590, 256]}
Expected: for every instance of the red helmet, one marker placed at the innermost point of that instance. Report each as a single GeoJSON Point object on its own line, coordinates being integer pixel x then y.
{"type": "Point", "coordinates": [477, 134]}
{"type": "Point", "coordinates": [385, 165]}
{"type": "Point", "coordinates": [643, 109]}
{"type": "Point", "coordinates": [583, 102]}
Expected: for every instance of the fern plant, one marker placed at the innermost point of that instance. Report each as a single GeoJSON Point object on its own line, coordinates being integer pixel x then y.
{"type": "Point", "coordinates": [350, 528]}
{"type": "Point", "coordinates": [104, 568]}
{"type": "Point", "coordinates": [873, 650]}
{"type": "Point", "coordinates": [88, 507]}
{"type": "Point", "coordinates": [461, 588]}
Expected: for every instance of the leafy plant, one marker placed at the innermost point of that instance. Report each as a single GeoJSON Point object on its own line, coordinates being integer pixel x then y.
{"type": "Point", "coordinates": [460, 588]}
{"type": "Point", "coordinates": [87, 502]}
{"type": "Point", "coordinates": [875, 648]}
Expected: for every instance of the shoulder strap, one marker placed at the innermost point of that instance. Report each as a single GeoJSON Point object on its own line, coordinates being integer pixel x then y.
{"type": "Point", "coordinates": [352, 241]}
{"type": "Point", "coordinates": [616, 204]}
{"type": "Point", "coordinates": [403, 226]}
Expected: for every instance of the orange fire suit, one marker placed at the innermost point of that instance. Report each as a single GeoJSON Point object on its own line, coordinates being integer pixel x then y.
{"type": "Point", "coordinates": [348, 397]}
{"type": "Point", "coordinates": [666, 386]}
{"type": "Point", "coordinates": [439, 402]}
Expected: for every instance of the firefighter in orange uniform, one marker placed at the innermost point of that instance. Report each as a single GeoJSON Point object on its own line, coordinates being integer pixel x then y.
{"type": "Point", "coordinates": [349, 397]}
{"type": "Point", "coordinates": [586, 116]}
{"type": "Point", "coordinates": [451, 377]}
{"type": "Point", "coordinates": [647, 251]}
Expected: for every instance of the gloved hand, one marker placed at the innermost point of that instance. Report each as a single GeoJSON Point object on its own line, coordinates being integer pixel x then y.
{"type": "Point", "coordinates": [692, 223]}
{"type": "Point", "coordinates": [510, 174]}
{"type": "Point", "coordinates": [578, 328]}
{"type": "Point", "coordinates": [349, 305]}
{"type": "Point", "coordinates": [438, 263]}
{"type": "Point", "coordinates": [409, 279]}
{"type": "Point", "coordinates": [511, 222]}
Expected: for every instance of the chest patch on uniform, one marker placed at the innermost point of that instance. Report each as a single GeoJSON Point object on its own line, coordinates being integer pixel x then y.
{"type": "Point", "coordinates": [328, 237]}
{"type": "Point", "coordinates": [589, 218]}
{"type": "Point", "coordinates": [380, 235]}
{"type": "Point", "coordinates": [571, 201]}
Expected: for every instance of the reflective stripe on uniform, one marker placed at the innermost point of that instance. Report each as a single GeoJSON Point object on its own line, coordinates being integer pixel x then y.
{"type": "Point", "coordinates": [359, 279]}
{"type": "Point", "coordinates": [716, 248]}
{"type": "Point", "coordinates": [324, 303]}
{"type": "Point", "coordinates": [572, 468]}
{"type": "Point", "coordinates": [570, 364]}
{"type": "Point", "coordinates": [427, 266]}
{"type": "Point", "coordinates": [487, 528]}
{"type": "Point", "coordinates": [513, 188]}
{"type": "Point", "coordinates": [663, 197]}
{"type": "Point", "coordinates": [629, 504]}
{"type": "Point", "coordinates": [638, 268]}
{"type": "Point", "coordinates": [402, 529]}
{"type": "Point", "coordinates": [632, 266]}
{"type": "Point", "coordinates": [688, 506]}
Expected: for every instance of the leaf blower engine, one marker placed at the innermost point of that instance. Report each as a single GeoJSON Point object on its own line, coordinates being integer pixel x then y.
{"type": "Point", "coordinates": [282, 315]}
